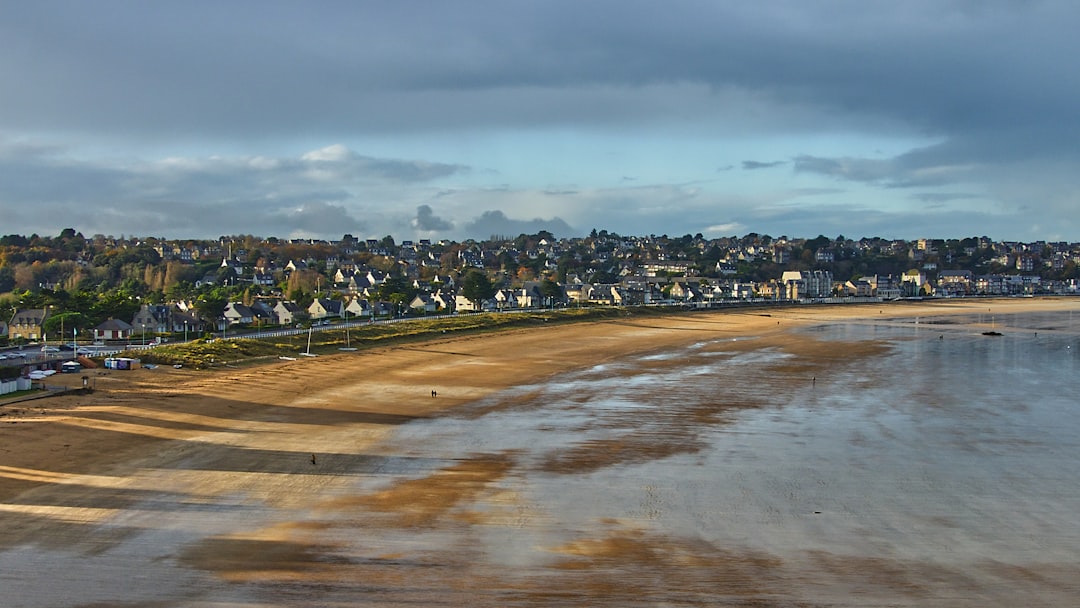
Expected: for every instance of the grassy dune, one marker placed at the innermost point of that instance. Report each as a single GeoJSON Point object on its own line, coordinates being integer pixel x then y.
{"type": "Point", "coordinates": [209, 353]}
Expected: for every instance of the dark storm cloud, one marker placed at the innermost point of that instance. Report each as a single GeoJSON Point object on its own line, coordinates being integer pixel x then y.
{"type": "Point", "coordinates": [427, 221]}
{"type": "Point", "coordinates": [266, 67]}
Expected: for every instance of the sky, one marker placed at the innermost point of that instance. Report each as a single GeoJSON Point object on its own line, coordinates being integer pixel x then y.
{"type": "Point", "coordinates": [471, 118]}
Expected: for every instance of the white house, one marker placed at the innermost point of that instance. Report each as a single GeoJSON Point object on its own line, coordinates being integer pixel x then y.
{"type": "Point", "coordinates": [113, 329]}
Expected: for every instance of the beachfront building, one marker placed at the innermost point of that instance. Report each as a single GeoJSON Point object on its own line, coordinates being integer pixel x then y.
{"type": "Point", "coordinates": [165, 318]}
{"type": "Point", "coordinates": [113, 329]}
{"type": "Point", "coordinates": [323, 308]}
{"type": "Point", "coordinates": [915, 283]}
{"type": "Point", "coordinates": [26, 323]}
{"type": "Point", "coordinates": [358, 307]}
{"type": "Point", "coordinates": [236, 313]}
{"type": "Point", "coordinates": [804, 284]}
{"type": "Point", "coordinates": [423, 303]}
{"type": "Point", "coordinates": [285, 310]}
{"type": "Point", "coordinates": [955, 283]}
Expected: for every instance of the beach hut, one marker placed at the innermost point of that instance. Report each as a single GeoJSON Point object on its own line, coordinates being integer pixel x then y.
{"type": "Point", "coordinates": [122, 363]}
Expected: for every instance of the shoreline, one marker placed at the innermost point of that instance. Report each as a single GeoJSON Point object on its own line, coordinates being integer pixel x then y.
{"type": "Point", "coordinates": [461, 368]}
{"type": "Point", "coordinates": [271, 448]}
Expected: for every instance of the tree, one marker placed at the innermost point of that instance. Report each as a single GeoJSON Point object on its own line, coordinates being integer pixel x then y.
{"type": "Point", "coordinates": [64, 324]}
{"type": "Point", "coordinates": [477, 287]}
{"type": "Point", "coordinates": [551, 290]}
{"type": "Point", "coordinates": [211, 306]}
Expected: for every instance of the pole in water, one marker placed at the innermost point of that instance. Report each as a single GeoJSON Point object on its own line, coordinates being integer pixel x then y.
{"type": "Point", "coordinates": [312, 459]}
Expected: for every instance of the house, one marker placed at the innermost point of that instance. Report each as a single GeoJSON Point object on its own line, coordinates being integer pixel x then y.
{"type": "Point", "coordinates": [806, 284]}
{"type": "Point", "coordinates": [113, 329]}
{"type": "Point", "coordinates": [955, 282]}
{"type": "Point", "coordinates": [358, 283]}
{"type": "Point", "coordinates": [914, 283]}
{"type": "Point", "coordinates": [358, 307]}
{"type": "Point", "coordinates": [860, 288]}
{"type": "Point", "coordinates": [685, 292]}
{"type": "Point", "coordinates": [284, 312]}
{"type": "Point", "coordinates": [342, 275]}
{"type": "Point", "coordinates": [529, 296]}
{"type": "Point", "coordinates": [26, 323]}
{"type": "Point", "coordinates": [726, 268]}
{"type": "Point", "coordinates": [383, 308]}
{"type": "Point", "coordinates": [263, 313]}
{"type": "Point", "coordinates": [423, 302]}
{"type": "Point", "coordinates": [236, 313]}
{"type": "Point", "coordinates": [151, 317]}
{"type": "Point", "coordinates": [465, 304]}
{"type": "Point", "coordinates": [506, 298]}
{"type": "Point", "coordinates": [323, 308]}
{"type": "Point", "coordinates": [885, 287]}
{"type": "Point", "coordinates": [444, 299]}
{"type": "Point", "coordinates": [606, 293]}
{"type": "Point", "coordinates": [376, 277]}
{"type": "Point", "coordinates": [263, 279]}
{"type": "Point", "coordinates": [159, 318]}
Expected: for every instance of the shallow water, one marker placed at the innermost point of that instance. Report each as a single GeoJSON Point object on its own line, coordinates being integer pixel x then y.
{"type": "Point", "coordinates": [942, 472]}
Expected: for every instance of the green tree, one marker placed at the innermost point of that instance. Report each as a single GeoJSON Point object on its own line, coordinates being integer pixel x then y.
{"type": "Point", "coordinates": [211, 305]}
{"type": "Point", "coordinates": [64, 324]}
{"type": "Point", "coordinates": [396, 289]}
{"type": "Point", "coordinates": [551, 290]}
{"type": "Point", "coordinates": [477, 287]}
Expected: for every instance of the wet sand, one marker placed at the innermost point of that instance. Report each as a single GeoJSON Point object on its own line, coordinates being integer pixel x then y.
{"type": "Point", "coordinates": [278, 485]}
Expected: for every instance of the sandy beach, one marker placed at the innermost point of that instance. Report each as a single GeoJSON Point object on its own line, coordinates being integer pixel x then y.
{"type": "Point", "coordinates": [239, 486]}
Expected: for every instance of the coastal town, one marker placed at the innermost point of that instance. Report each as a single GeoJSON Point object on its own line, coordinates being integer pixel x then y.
{"type": "Point", "coordinates": [73, 289]}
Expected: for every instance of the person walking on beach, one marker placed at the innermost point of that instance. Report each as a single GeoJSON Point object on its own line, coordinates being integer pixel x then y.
{"type": "Point", "coordinates": [433, 393]}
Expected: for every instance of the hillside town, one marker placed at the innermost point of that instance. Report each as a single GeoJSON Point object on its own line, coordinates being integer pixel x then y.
{"type": "Point", "coordinates": [102, 288]}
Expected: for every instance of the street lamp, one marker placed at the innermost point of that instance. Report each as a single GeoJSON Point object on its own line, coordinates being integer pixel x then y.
{"type": "Point", "coordinates": [185, 330]}
{"type": "Point", "coordinates": [143, 326]}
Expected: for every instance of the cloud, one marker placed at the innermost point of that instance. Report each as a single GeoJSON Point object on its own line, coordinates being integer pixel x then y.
{"type": "Point", "coordinates": [160, 110]}
{"type": "Point", "coordinates": [427, 221]}
{"type": "Point", "coordinates": [728, 229]}
{"type": "Point", "coordinates": [943, 197]}
{"type": "Point", "coordinates": [339, 162]}
{"type": "Point", "coordinates": [314, 219]}
{"type": "Point", "coordinates": [319, 193]}
{"type": "Point", "coordinates": [749, 165]}
{"type": "Point", "coordinates": [495, 222]}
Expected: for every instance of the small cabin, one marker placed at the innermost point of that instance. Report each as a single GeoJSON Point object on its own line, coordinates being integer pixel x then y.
{"type": "Point", "coordinates": [122, 363]}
